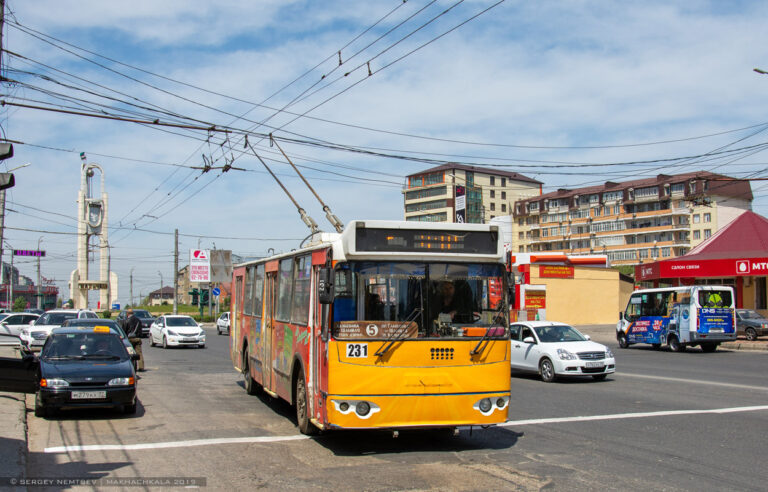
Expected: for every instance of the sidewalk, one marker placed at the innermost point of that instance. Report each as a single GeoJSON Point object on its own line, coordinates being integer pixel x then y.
{"type": "Point", "coordinates": [13, 429]}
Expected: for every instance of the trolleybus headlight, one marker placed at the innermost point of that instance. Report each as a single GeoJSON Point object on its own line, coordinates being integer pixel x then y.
{"type": "Point", "coordinates": [343, 406]}
{"type": "Point", "coordinates": [501, 402]}
{"type": "Point", "coordinates": [485, 405]}
{"type": "Point", "coordinates": [362, 408]}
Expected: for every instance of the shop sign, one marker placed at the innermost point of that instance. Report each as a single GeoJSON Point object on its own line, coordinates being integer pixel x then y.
{"type": "Point", "coordinates": [555, 271]}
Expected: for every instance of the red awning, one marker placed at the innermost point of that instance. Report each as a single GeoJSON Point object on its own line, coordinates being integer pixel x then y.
{"type": "Point", "coordinates": [738, 249]}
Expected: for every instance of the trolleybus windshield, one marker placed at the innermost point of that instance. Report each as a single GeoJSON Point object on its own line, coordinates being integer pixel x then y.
{"type": "Point", "coordinates": [375, 299]}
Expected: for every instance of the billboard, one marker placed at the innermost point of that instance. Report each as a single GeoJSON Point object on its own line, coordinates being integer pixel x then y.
{"type": "Point", "coordinates": [199, 265]}
{"type": "Point", "coordinates": [221, 265]}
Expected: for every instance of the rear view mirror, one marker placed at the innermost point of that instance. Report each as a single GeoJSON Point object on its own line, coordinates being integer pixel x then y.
{"type": "Point", "coordinates": [135, 356]}
{"type": "Point", "coordinates": [529, 340]}
{"type": "Point", "coordinates": [325, 286]}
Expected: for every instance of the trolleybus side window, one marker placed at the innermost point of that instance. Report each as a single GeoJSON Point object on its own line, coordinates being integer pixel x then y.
{"type": "Point", "coordinates": [301, 285]}
{"type": "Point", "coordinates": [284, 289]}
{"type": "Point", "coordinates": [247, 301]}
{"type": "Point", "coordinates": [258, 290]}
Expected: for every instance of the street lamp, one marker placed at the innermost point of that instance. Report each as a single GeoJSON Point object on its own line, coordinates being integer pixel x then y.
{"type": "Point", "coordinates": [39, 289]}
{"type": "Point", "coordinates": [161, 286]}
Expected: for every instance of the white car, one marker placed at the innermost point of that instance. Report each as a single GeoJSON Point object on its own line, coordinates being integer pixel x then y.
{"type": "Point", "coordinates": [174, 330]}
{"type": "Point", "coordinates": [554, 349]}
{"type": "Point", "coordinates": [222, 324]}
{"type": "Point", "coordinates": [33, 336]}
{"type": "Point", "coordinates": [12, 324]}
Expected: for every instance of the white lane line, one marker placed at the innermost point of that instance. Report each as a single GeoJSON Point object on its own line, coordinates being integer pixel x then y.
{"type": "Point", "coordinates": [637, 415]}
{"type": "Point", "coordinates": [268, 439]}
{"type": "Point", "coordinates": [693, 381]}
{"type": "Point", "coordinates": [173, 444]}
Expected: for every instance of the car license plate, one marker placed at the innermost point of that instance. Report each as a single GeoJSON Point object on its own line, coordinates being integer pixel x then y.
{"type": "Point", "coordinates": [190, 339]}
{"type": "Point", "coordinates": [89, 395]}
{"type": "Point", "coordinates": [594, 364]}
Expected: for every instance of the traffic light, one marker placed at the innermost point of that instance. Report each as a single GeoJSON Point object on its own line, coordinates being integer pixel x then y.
{"type": "Point", "coordinates": [194, 293]}
{"type": "Point", "coordinates": [204, 296]}
{"type": "Point", "coordinates": [6, 179]}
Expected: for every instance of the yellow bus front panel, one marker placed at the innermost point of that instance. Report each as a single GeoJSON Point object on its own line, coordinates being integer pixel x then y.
{"type": "Point", "coordinates": [417, 383]}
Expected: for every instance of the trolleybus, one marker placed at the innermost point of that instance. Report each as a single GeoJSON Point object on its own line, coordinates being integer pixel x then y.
{"type": "Point", "coordinates": [680, 317]}
{"type": "Point", "coordinates": [386, 325]}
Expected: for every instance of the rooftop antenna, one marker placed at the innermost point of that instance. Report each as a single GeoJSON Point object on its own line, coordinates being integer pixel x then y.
{"type": "Point", "coordinates": [309, 221]}
{"type": "Point", "coordinates": [335, 222]}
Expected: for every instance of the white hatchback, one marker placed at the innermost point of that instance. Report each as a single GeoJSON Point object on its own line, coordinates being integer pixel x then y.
{"type": "Point", "coordinates": [175, 330]}
{"type": "Point", "coordinates": [554, 349]}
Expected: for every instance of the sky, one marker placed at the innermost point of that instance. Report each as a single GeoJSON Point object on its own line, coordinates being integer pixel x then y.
{"type": "Point", "coordinates": [571, 93]}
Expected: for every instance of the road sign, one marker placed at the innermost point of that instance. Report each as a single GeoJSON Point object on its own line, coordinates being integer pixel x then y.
{"type": "Point", "coordinates": [216, 291]}
{"type": "Point", "coordinates": [28, 252]}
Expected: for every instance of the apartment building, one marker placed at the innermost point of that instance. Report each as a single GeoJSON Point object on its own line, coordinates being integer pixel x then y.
{"type": "Point", "coordinates": [634, 221]}
{"type": "Point", "coordinates": [461, 193]}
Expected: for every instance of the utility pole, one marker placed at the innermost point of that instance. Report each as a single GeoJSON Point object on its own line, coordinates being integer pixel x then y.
{"type": "Point", "coordinates": [176, 272]}
{"type": "Point", "coordinates": [39, 279]}
{"type": "Point", "coordinates": [132, 286]}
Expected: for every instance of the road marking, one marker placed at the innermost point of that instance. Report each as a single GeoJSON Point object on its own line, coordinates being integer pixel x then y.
{"type": "Point", "coordinates": [637, 415]}
{"type": "Point", "coordinates": [173, 444]}
{"type": "Point", "coordinates": [694, 381]}
{"type": "Point", "coordinates": [268, 439]}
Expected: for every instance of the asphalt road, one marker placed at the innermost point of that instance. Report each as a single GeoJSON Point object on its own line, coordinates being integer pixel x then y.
{"type": "Point", "coordinates": [651, 426]}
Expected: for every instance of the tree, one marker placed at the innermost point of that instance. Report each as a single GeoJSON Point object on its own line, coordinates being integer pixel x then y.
{"type": "Point", "coordinates": [19, 304]}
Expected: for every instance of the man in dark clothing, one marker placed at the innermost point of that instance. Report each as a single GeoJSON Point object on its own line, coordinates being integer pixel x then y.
{"type": "Point", "coordinates": [133, 330]}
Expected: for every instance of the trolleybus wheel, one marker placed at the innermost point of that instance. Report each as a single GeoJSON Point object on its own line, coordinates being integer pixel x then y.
{"type": "Point", "coordinates": [305, 426]}
{"type": "Point", "coordinates": [251, 386]}
{"type": "Point", "coordinates": [623, 340]}
{"type": "Point", "coordinates": [675, 345]}
{"type": "Point", "coordinates": [751, 334]}
{"type": "Point", "coordinates": [708, 347]}
{"type": "Point", "coordinates": [547, 370]}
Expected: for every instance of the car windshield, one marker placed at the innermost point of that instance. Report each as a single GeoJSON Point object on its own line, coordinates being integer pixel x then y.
{"type": "Point", "coordinates": [87, 345]}
{"type": "Point", "coordinates": [558, 333]}
{"type": "Point", "coordinates": [180, 322]}
{"type": "Point", "coordinates": [140, 313]}
{"type": "Point", "coordinates": [55, 318]}
{"type": "Point", "coordinates": [749, 314]}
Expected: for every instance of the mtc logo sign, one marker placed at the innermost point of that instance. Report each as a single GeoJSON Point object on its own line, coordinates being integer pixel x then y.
{"type": "Point", "coordinates": [747, 267]}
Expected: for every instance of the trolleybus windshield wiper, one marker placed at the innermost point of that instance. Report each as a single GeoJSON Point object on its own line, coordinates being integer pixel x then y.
{"type": "Point", "coordinates": [397, 334]}
{"type": "Point", "coordinates": [497, 315]}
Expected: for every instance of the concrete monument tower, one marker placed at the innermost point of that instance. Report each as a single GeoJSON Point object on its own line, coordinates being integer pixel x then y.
{"type": "Point", "coordinates": [92, 215]}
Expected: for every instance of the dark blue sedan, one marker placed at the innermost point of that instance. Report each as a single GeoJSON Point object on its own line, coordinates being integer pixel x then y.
{"type": "Point", "coordinates": [78, 367]}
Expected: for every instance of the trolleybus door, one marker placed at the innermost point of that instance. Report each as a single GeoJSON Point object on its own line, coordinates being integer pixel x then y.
{"type": "Point", "coordinates": [269, 327]}
{"type": "Point", "coordinates": [234, 322]}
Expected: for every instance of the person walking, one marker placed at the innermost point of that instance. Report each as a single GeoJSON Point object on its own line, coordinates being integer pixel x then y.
{"type": "Point", "coordinates": [133, 330]}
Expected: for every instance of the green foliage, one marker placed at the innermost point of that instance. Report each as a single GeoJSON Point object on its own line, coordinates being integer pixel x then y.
{"type": "Point", "coordinates": [106, 314]}
{"type": "Point", "coordinates": [626, 269]}
{"type": "Point", "coordinates": [19, 304]}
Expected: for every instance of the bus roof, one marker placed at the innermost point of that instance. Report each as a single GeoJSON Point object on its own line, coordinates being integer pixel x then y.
{"type": "Point", "coordinates": [407, 241]}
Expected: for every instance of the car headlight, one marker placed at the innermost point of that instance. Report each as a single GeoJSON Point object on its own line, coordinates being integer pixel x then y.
{"type": "Point", "coordinates": [121, 382]}
{"type": "Point", "coordinates": [565, 355]}
{"type": "Point", "coordinates": [608, 353]}
{"type": "Point", "coordinates": [172, 333]}
{"type": "Point", "coordinates": [201, 334]}
{"type": "Point", "coordinates": [25, 332]}
{"type": "Point", "coordinates": [53, 383]}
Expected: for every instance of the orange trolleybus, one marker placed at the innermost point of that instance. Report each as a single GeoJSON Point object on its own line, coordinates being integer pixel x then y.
{"type": "Point", "coordinates": [386, 325]}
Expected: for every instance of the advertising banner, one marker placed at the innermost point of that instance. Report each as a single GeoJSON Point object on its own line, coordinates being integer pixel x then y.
{"type": "Point", "coordinates": [461, 204]}
{"type": "Point", "coordinates": [199, 265]}
{"type": "Point", "coordinates": [555, 271]}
